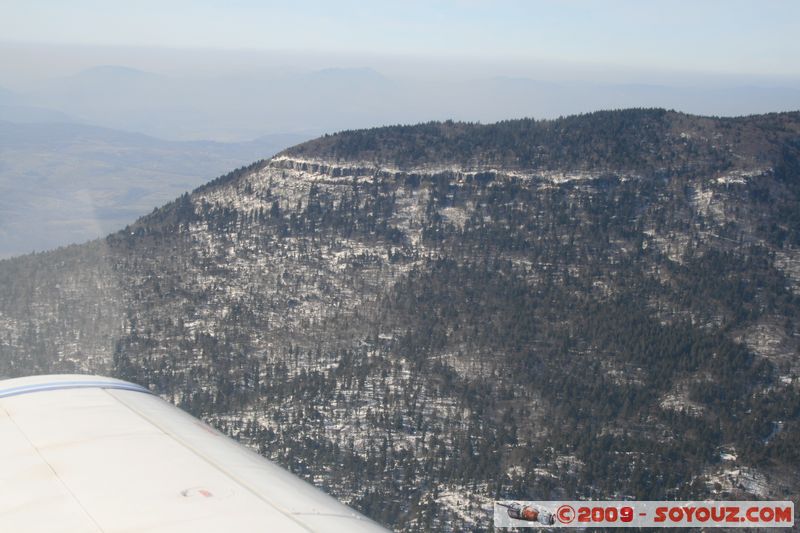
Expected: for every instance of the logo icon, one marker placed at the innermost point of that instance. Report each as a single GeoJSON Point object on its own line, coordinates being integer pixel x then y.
{"type": "Point", "coordinates": [565, 514]}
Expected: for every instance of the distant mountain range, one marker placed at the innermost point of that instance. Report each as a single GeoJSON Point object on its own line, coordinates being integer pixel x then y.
{"type": "Point", "coordinates": [423, 319]}
{"type": "Point", "coordinates": [248, 103]}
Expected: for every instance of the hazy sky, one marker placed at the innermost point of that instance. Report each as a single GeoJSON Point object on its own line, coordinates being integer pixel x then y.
{"type": "Point", "coordinates": [725, 36]}
{"type": "Point", "coordinates": [235, 70]}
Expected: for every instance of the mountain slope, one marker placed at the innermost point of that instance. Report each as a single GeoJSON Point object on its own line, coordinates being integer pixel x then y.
{"type": "Point", "coordinates": [423, 318]}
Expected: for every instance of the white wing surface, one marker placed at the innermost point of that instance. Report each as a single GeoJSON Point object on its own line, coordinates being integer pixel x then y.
{"type": "Point", "coordinates": [92, 454]}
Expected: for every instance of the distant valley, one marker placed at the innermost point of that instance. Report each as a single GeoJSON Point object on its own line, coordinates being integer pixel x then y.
{"type": "Point", "coordinates": [63, 183]}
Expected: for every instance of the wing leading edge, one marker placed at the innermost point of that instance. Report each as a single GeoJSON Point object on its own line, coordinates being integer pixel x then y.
{"type": "Point", "coordinates": [93, 454]}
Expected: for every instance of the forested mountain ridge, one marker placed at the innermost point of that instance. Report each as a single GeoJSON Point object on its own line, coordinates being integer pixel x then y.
{"type": "Point", "coordinates": [421, 319]}
{"type": "Point", "coordinates": [646, 140]}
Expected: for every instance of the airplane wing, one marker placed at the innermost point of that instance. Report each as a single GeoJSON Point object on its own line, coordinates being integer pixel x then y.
{"type": "Point", "coordinates": [93, 454]}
